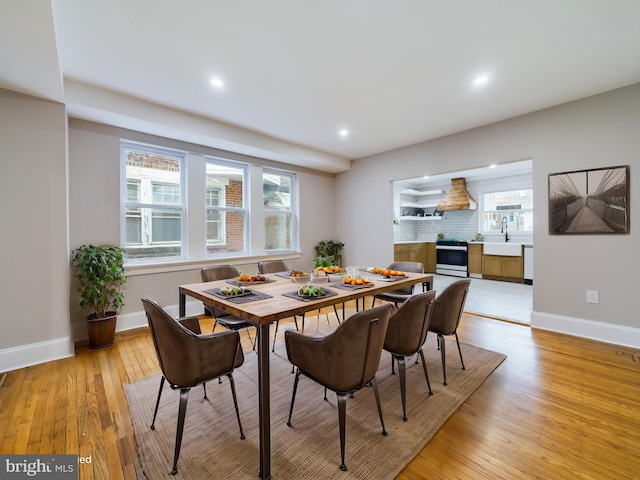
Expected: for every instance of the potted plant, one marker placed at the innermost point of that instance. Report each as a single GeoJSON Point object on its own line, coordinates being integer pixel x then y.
{"type": "Point", "coordinates": [100, 273]}
{"type": "Point", "coordinates": [329, 251]}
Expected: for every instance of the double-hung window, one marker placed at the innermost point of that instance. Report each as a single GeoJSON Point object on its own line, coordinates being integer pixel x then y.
{"type": "Point", "coordinates": [225, 204]}
{"type": "Point", "coordinates": [278, 202]}
{"type": "Point", "coordinates": [513, 209]}
{"type": "Point", "coordinates": [153, 202]}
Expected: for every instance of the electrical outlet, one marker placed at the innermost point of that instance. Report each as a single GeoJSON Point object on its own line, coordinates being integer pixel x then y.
{"type": "Point", "coordinates": [592, 296]}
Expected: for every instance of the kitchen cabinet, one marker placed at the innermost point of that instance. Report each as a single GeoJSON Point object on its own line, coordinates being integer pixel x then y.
{"type": "Point", "coordinates": [410, 252]}
{"type": "Point", "coordinates": [475, 260]}
{"type": "Point", "coordinates": [431, 257]}
{"type": "Point", "coordinates": [498, 267]}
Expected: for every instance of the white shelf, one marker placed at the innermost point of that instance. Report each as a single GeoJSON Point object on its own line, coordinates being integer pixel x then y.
{"type": "Point", "coordinates": [419, 193]}
{"type": "Point", "coordinates": [418, 205]}
{"type": "Point", "coordinates": [421, 218]}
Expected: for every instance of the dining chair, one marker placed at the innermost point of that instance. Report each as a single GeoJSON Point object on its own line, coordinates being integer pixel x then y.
{"type": "Point", "coordinates": [188, 358]}
{"type": "Point", "coordinates": [446, 316]}
{"type": "Point", "coordinates": [406, 334]}
{"type": "Point", "coordinates": [343, 361]}
{"type": "Point", "coordinates": [226, 319]}
{"type": "Point", "coordinates": [401, 294]}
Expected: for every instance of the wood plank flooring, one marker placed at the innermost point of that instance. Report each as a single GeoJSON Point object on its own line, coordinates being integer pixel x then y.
{"type": "Point", "coordinates": [559, 408]}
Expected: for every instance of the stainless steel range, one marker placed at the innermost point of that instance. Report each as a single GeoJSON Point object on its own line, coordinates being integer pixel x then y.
{"type": "Point", "coordinates": [452, 257]}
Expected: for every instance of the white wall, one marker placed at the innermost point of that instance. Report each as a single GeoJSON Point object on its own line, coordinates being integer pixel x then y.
{"type": "Point", "coordinates": [34, 269]}
{"type": "Point", "coordinates": [599, 131]}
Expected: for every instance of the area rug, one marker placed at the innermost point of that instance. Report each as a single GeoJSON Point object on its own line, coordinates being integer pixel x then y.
{"type": "Point", "coordinates": [310, 448]}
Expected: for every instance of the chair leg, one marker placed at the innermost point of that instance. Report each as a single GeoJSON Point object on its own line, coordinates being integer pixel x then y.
{"type": "Point", "coordinates": [459, 351]}
{"type": "Point", "coordinates": [424, 367]}
{"type": "Point", "coordinates": [293, 397]}
{"type": "Point", "coordinates": [182, 410]}
{"type": "Point", "coordinates": [374, 383]}
{"type": "Point", "coordinates": [155, 412]}
{"type": "Point", "coordinates": [273, 349]}
{"type": "Point", "coordinates": [204, 387]}
{"type": "Point", "coordinates": [403, 385]}
{"type": "Point", "coordinates": [393, 364]}
{"type": "Point", "coordinates": [342, 420]}
{"type": "Point", "coordinates": [253, 342]}
{"type": "Point", "coordinates": [335, 310]}
{"type": "Point", "coordinates": [235, 403]}
{"type": "Point", "coordinates": [444, 358]}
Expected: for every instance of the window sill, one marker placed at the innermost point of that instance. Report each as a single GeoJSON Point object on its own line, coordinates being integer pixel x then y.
{"type": "Point", "coordinates": [184, 265]}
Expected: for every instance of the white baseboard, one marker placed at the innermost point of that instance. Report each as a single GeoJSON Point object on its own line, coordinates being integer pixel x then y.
{"type": "Point", "coordinates": [32, 354]}
{"type": "Point", "coordinates": [602, 332]}
{"type": "Point", "coordinates": [26, 355]}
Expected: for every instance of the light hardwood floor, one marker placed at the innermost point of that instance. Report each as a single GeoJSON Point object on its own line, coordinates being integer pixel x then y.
{"type": "Point", "coordinates": [558, 407]}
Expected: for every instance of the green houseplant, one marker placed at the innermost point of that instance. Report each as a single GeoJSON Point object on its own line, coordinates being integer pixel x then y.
{"type": "Point", "coordinates": [328, 251]}
{"type": "Point", "coordinates": [100, 274]}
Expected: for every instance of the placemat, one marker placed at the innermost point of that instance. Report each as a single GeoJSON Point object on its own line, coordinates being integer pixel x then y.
{"type": "Point", "coordinates": [251, 297]}
{"type": "Point", "coordinates": [344, 286]}
{"type": "Point", "coordinates": [327, 293]}
{"type": "Point", "coordinates": [235, 282]}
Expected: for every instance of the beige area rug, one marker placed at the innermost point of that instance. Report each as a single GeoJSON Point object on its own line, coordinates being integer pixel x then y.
{"type": "Point", "coordinates": [310, 449]}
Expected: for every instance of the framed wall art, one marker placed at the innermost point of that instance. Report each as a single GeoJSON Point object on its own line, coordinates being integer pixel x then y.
{"type": "Point", "coordinates": [589, 201]}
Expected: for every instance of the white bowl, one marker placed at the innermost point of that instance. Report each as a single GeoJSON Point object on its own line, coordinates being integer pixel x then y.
{"type": "Point", "coordinates": [304, 279]}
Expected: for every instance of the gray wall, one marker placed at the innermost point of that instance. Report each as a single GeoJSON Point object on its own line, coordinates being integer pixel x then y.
{"type": "Point", "coordinates": [595, 132]}
{"type": "Point", "coordinates": [33, 256]}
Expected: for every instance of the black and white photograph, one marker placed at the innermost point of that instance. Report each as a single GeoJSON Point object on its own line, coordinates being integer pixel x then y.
{"type": "Point", "coordinates": [589, 201]}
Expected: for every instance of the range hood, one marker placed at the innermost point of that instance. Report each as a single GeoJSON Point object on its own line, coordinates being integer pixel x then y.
{"type": "Point", "coordinates": [457, 198]}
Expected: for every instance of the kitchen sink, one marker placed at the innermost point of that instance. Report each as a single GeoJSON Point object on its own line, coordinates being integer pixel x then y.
{"type": "Point", "coordinates": [504, 249]}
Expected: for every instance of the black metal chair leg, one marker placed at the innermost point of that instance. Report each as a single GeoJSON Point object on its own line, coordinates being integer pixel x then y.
{"type": "Point", "coordinates": [426, 374]}
{"type": "Point", "coordinates": [235, 403]}
{"type": "Point", "coordinates": [204, 387]}
{"type": "Point", "coordinates": [374, 383]}
{"type": "Point", "coordinates": [393, 364]}
{"type": "Point", "coordinates": [444, 359]}
{"type": "Point", "coordinates": [182, 410]}
{"type": "Point", "coordinates": [155, 412]}
{"type": "Point", "coordinates": [273, 349]}
{"type": "Point", "coordinates": [459, 351]}
{"type": "Point", "coordinates": [293, 396]}
{"type": "Point", "coordinates": [342, 419]}
{"type": "Point", "coordinates": [403, 385]}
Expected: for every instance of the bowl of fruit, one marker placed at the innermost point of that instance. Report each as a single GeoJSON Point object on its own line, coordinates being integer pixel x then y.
{"type": "Point", "coordinates": [298, 276]}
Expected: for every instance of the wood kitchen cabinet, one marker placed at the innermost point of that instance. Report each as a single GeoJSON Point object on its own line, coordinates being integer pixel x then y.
{"type": "Point", "coordinates": [410, 252]}
{"type": "Point", "coordinates": [431, 257]}
{"type": "Point", "coordinates": [497, 267]}
{"type": "Point", "coordinates": [475, 260]}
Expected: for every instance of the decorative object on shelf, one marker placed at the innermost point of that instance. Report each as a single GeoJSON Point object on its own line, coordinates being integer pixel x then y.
{"type": "Point", "coordinates": [589, 201]}
{"type": "Point", "coordinates": [100, 273]}
{"type": "Point", "coordinates": [328, 249]}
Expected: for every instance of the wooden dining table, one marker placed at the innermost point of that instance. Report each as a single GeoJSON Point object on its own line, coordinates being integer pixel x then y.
{"type": "Point", "coordinates": [282, 303]}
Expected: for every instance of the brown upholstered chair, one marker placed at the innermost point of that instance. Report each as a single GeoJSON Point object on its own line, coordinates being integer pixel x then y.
{"type": "Point", "coordinates": [447, 312]}
{"type": "Point", "coordinates": [406, 334]}
{"type": "Point", "coordinates": [226, 319]}
{"type": "Point", "coordinates": [344, 361]}
{"type": "Point", "coordinates": [188, 358]}
{"type": "Point", "coordinates": [402, 293]}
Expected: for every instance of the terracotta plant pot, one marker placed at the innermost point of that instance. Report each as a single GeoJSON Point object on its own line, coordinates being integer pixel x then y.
{"type": "Point", "coordinates": [101, 331]}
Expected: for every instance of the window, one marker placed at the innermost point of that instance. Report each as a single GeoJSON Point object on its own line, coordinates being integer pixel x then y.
{"type": "Point", "coordinates": [226, 213]}
{"type": "Point", "coordinates": [153, 202]}
{"type": "Point", "coordinates": [279, 211]}
{"type": "Point", "coordinates": [515, 208]}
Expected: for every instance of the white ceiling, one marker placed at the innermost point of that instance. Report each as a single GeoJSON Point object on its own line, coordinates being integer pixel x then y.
{"type": "Point", "coordinates": [393, 72]}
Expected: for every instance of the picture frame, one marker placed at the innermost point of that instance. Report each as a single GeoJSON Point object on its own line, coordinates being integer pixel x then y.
{"type": "Point", "coordinates": [593, 201]}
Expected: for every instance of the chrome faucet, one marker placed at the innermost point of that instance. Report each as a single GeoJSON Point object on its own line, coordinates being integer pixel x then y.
{"type": "Point", "coordinates": [504, 229]}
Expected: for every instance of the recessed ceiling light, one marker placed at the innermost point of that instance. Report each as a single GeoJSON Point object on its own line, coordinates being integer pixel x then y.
{"type": "Point", "coordinates": [481, 80]}
{"type": "Point", "coordinates": [343, 132]}
{"type": "Point", "coordinates": [493, 165]}
{"type": "Point", "coordinates": [217, 82]}
{"type": "Point", "coordinates": [426, 177]}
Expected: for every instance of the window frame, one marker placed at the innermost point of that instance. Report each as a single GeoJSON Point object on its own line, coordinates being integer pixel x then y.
{"type": "Point", "coordinates": [292, 211]}
{"type": "Point", "coordinates": [125, 203]}
{"type": "Point", "coordinates": [504, 212]}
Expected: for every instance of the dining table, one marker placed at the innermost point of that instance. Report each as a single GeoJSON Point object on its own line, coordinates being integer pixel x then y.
{"type": "Point", "coordinates": [277, 298]}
